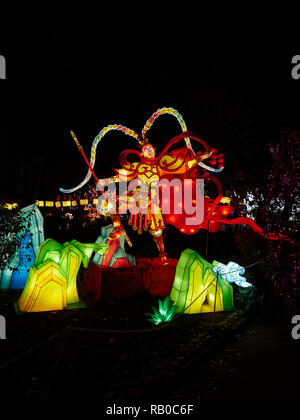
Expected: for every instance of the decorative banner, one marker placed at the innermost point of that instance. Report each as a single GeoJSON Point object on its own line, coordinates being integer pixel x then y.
{"type": "Point", "coordinates": [82, 202]}
{"type": "Point", "coordinates": [62, 203]}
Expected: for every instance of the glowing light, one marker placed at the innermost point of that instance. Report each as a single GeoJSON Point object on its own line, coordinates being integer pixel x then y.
{"type": "Point", "coordinates": [110, 207]}
{"type": "Point", "coordinates": [164, 313]}
{"type": "Point", "coordinates": [225, 200]}
{"type": "Point", "coordinates": [66, 203]}
{"type": "Point", "coordinates": [226, 210]}
{"type": "Point", "coordinates": [10, 206]}
{"type": "Point", "coordinates": [157, 232]}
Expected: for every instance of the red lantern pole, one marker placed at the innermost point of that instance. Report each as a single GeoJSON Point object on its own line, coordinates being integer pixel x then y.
{"type": "Point", "coordinates": [79, 147]}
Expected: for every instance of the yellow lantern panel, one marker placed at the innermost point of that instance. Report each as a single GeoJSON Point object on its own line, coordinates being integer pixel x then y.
{"type": "Point", "coordinates": [46, 290]}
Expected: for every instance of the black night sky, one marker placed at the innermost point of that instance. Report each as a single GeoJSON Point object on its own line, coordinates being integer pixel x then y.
{"type": "Point", "coordinates": [236, 93]}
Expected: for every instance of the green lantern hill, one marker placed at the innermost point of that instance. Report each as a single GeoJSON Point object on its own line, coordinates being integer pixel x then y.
{"type": "Point", "coordinates": [197, 288]}
{"type": "Point", "coordinates": [51, 283]}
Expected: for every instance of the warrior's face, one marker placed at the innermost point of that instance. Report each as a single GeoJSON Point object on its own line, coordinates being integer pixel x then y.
{"type": "Point", "coordinates": [148, 151]}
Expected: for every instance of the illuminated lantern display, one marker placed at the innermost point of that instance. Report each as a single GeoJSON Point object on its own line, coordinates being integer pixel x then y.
{"type": "Point", "coordinates": [45, 290]}
{"type": "Point", "coordinates": [149, 169]}
{"type": "Point", "coordinates": [181, 164]}
{"type": "Point", "coordinates": [51, 283]}
{"type": "Point", "coordinates": [232, 273]}
{"type": "Point", "coordinates": [196, 287]}
{"type": "Point", "coordinates": [15, 273]}
{"type": "Point", "coordinates": [164, 313]}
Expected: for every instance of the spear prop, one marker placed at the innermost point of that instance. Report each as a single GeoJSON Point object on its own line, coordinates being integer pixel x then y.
{"type": "Point", "coordinates": [80, 148]}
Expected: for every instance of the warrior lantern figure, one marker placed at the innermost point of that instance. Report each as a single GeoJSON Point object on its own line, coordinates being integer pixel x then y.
{"type": "Point", "coordinates": [181, 164]}
{"type": "Point", "coordinates": [149, 170]}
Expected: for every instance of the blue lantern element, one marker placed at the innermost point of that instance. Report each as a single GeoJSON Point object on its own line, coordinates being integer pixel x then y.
{"type": "Point", "coordinates": [15, 273]}
{"type": "Point", "coordinates": [27, 258]}
{"type": "Point", "coordinates": [232, 273]}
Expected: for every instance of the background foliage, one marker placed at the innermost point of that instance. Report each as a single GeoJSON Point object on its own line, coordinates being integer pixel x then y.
{"type": "Point", "coordinates": [12, 229]}
{"type": "Point", "coordinates": [274, 205]}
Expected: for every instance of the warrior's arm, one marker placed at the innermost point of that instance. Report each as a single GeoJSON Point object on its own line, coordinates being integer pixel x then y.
{"type": "Point", "coordinates": [122, 175]}
{"type": "Point", "coordinates": [198, 158]}
{"type": "Point", "coordinates": [176, 168]}
{"type": "Point", "coordinates": [111, 180]}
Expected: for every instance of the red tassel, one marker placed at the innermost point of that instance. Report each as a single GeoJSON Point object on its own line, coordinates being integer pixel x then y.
{"type": "Point", "coordinates": [146, 222]}
{"type": "Point", "coordinates": [135, 222]}
{"type": "Point", "coordinates": [140, 224]}
{"type": "Point", "coordinates": [130, 219]}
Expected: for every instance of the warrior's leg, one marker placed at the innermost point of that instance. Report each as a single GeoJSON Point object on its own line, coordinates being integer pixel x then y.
{"type": "Point", "coordinates": [157, 227]}
{"type": "Point", "coordinates": [158, 238]}
{"type": "Point", "coordinates": [119, 229]}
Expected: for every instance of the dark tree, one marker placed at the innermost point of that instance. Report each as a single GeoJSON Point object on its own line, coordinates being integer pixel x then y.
{"type": "Point", "coordinates": [274, 203]}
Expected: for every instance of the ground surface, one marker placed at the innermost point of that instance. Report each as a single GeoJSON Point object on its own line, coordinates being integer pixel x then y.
{"type": "Point", "coordinates": [110, 351]}
{"type": "Point", "coordinates": [260, 362]}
